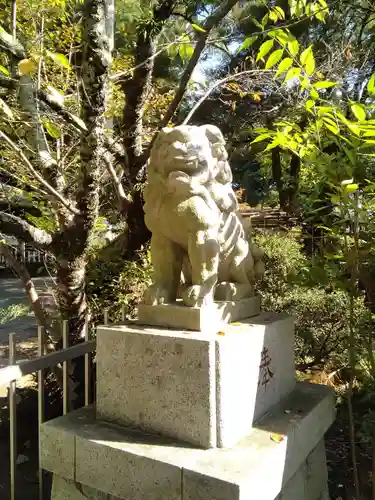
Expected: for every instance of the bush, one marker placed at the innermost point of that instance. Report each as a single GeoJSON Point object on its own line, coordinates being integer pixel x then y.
{"type": "Point", "coordinates": [322, 312]}
{"type": "Point", "coordinates": [12, 312]}
{"type": "Point", "coordinates": [115, 284]}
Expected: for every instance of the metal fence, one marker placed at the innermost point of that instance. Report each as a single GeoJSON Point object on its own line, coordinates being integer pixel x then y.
{"type": "Point", "coordinates": [27, 254]}
{"type": "Point", "coordinates": [12, 373]}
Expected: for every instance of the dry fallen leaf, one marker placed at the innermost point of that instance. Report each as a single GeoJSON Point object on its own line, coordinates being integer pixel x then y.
{"type": "Point", "coordinates": [220, 333]}
{"type": "Point", "coordinates": [277, 438]}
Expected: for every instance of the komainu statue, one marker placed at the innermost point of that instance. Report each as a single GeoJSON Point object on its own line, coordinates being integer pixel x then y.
{"type": "Point", "coordinates": [200, 249]}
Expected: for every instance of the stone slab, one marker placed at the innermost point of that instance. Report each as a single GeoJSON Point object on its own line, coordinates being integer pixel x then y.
{"type": "Point", "coordinates": [311, 479]}
{"type": "Point", "coordinates": [204, 319]}
{"type": "Point", "coordinates": [256, 464]}
{"type": "Point", "coordinates": [203, 388]}
{"type": "Point", "coordinates": [58, 448]}
{"type": "Point", "coordinates": [308, 483]}
{"type": "Point", "coordinates": [66, 489]}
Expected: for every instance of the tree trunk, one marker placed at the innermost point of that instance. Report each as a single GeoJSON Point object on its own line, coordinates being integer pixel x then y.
{"type": "Point", "coordinates": [72, 243]}
{"type": "Point", "coordinates": [294, 175]}
{"type": "Point", "coordinates": [138, 233]}
{"type": "Point", "coordinates": [277, 177]}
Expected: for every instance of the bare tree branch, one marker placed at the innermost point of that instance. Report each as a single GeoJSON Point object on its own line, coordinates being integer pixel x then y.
{"type": "Point", "coordinates": [217, 84]}
{"type": "Point", "coordinates": [113, 147]}
{"type": "Point", "coordinates": [212, 21]}
{"type": "Point", "coordinates": [22, 230]}
{"type": "Point", "coordinates": [37, 175]}
{"type": "Point", "coordinates": [116, 178]}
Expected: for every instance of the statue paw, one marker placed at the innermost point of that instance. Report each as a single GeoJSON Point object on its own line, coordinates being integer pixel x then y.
{"type": "Point", "coordinates": [196, 296]}
{"type": "Point", "coordinates": [156, 295]}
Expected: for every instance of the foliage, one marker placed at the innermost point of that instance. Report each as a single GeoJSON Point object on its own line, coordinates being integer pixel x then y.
{"type": "Point", "coordinates": [118, 285]}
{"type": "Point", "coordinates": [12, 312]}
{"type": "Point", "coordinates": [322, 312]}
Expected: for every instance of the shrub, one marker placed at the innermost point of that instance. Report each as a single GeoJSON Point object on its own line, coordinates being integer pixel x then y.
{"type": "Point", "coordinates": [115, 284]}
{"type": "Point", "coordinates": [321, 312]}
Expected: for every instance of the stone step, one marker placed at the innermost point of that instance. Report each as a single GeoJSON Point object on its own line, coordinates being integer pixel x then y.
{"type": "Point", "coordinates": [131, 465]}
{"type": "Point", "coordinates": [308, 483]}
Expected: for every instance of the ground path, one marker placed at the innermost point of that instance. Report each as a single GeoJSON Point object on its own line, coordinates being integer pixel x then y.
{"type": "Point", "coordinates": [11, 293]}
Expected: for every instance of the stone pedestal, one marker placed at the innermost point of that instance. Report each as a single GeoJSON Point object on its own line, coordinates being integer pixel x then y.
{"type": "Point", "coordinates": [187, 415]}
{"type": "Point", "coordinates": [203, 388]}
{"type": "Point", "coordinates": [202, 319]}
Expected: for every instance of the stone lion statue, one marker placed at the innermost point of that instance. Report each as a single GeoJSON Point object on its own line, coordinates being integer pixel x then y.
{"type": "Point", "coordinates": [200, 249]}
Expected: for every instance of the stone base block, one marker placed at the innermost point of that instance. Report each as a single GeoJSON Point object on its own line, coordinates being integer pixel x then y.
{"type": "Point", "coordinates": [203, 388]}
{"type": "Point", "coordinates": [308, 483]}
{"type": "Point", "coordinates": [131, 465]}
{"type": "Point", "coordinates": [204, 319]}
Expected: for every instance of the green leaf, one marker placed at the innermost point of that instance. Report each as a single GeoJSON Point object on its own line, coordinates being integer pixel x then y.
{"type": "Point", "coordinates": [358, 111]}
{"type": "Point", "coordinates": [52, 129]}
{"type": "Point", "coordinates": [273, 16]}
{"type": "Point", "coordinates": [172, 50]}
{"type": "Point", "coordinates": [353, 128]}
{"type": "Point", "coordinates": [309, 104]}
{"type": "Point", "coordinates": [264, 21]}
{"type": "Point", "coordinates": [186, 50]}
{"type": "Point", "coordinates": [292, 73]}
{"type": "Point", "coordinates": [261, 138]}
{"type": "Point", "coordinates": [293, 47]}
{"type": "Point", "coordinates": [331, 127]}
{"type": "Point", "coordinates": [280, 12]}
{"type": "Point", "coordinates": [371, 85]}
{"type": "Point", "coordinates": [325, 84]}
{"type": "Point", "coordinates": [314, 94]}
{"type": "Point", "coordinates": [198, 28]}
{"type": "Point", "coordinates": [248, 42]}
{"type": "Point", "coordinates": [283, 36]}
{"type": "Point", "coordinates": [305, 55]}
{"type": "Point", "coordinates": [274, 58]}
{"type": "Point", "coordinates": [351, 188]}
{"type": "Point", "coordinates": [264, 49]}
{"type": "Point", "coordinates": [307, 60]}
{"type": "Point", "coordinates": [322, 10]}
{"type": "Point", "coordinates": [257, 23]}
{"type": "Point", "coordinates": [273, 144]}
{"type": "Point", "coordinates": [305, 82]}
{"type": "Point", "coordinates": [284, 65]}
{"type": "Point", "coordinates": [59, 59]}
{"type": "Point", "coordinates": [4, 70]}
{"type": "Point", "coordinates": [349, 153]}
